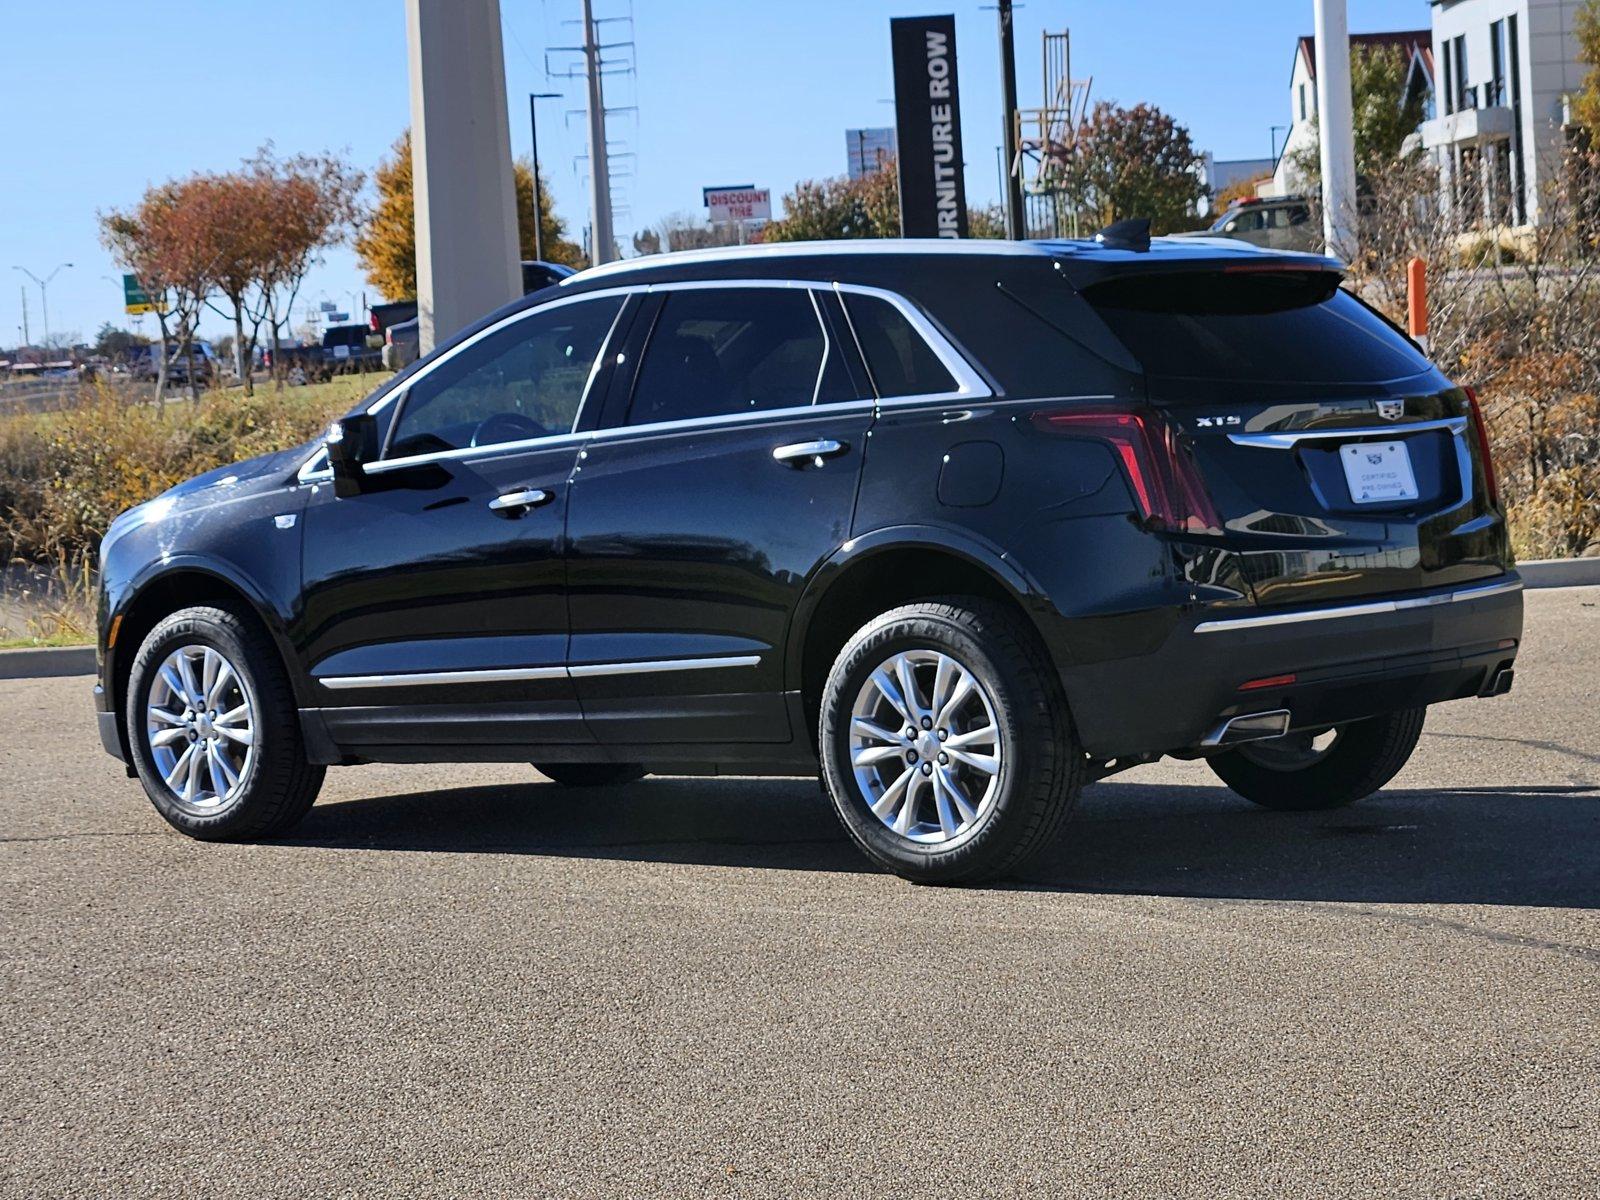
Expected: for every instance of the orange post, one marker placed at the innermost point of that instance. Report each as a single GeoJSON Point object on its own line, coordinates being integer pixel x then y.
{"type": "Point", "coordinates": [1417, 300]}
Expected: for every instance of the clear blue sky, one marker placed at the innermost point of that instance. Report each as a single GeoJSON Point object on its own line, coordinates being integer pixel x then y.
{"type": "Point", "coordinates": [103, 98]}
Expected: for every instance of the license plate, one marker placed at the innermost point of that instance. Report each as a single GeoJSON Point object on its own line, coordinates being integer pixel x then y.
{"type": "Point", "coordinates": [1378, 472]}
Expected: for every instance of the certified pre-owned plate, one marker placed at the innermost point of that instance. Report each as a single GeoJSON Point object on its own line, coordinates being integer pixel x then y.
{"type": "Point", "coordinates": [1378, 472]}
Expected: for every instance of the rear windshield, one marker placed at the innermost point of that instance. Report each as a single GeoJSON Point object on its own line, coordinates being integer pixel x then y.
{"type": "Point", "coordinates": [1277, 326]}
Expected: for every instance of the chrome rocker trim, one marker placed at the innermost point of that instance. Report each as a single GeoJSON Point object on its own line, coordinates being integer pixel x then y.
{"type": "Point", "coordinates": [1370, 609]}
{"type": "Point", "coordinates": [511, 674]}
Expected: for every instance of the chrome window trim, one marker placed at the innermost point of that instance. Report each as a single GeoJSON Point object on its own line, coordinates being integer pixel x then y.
{"type": "Point", "coordinates": [513, 674]}
{"type": "Point", "coordinates": [1368, 609]}
{"type": "Point", "coordinates": [1289, 439]}
{"type": "Point", "coordinates": [753, 417]}
{"type": "Point", "coordinates": [969, 383]}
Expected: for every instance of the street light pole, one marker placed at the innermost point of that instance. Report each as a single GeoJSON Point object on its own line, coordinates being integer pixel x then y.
{"type": "Point", "coordinates": [1008, 102]}
{"type": "Point", "coordinates": [44, 300]}
{"type": "Point", "coordinates": [533, 130]}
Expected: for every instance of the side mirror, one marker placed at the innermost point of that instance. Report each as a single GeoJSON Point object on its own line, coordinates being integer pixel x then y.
{"type": "Point", "coordinates": [352, 442]}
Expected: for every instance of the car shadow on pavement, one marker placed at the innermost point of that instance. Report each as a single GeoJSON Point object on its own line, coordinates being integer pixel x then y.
{"type": "Point", "coordinates": [1490, 845]}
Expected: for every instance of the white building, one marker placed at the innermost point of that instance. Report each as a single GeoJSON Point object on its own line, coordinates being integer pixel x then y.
{"type": "Point", "coordinates": [1416, 45]}
{"type": "Point", "coordinates": [1505, 68]}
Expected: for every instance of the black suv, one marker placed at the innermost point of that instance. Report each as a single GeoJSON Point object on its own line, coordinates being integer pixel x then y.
{"type": "Point", "coordinates": [963, 525]}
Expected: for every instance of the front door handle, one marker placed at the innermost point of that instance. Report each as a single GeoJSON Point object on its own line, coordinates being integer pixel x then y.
{"type": "Point", "coordinates": [800, 454]}
{"type": "Point", "coordinates": [520, 500]}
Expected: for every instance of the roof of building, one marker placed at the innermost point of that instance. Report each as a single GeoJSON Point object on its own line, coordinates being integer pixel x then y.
{"type": "Point", "coordinates": [1408, 41]}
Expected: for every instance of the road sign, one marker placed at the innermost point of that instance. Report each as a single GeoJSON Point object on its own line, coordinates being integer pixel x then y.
{"type": "Point", "coordinates": [136, 302]}
{"type": "Point", "coordinates": [743, 203]}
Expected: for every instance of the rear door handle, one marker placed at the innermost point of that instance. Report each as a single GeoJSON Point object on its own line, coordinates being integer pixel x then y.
{"type": "Point", "coordinates": [800, 454]}
{"type": "Point", "coordinates": [520, 500]}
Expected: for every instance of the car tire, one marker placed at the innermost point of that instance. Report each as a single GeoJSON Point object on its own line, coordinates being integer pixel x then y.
{"type": "Point", "coordinates": [582, 774]}
{"type": "Point", "coordinates": [1363, 756]}
{"type": "Point", "coordinates": [251, 734]}
{"type": "Point", "coordinates": [1014, 798]}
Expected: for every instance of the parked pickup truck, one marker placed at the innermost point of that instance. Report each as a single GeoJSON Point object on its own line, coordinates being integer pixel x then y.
{"type": "Point", "coordinates": [344, 351]}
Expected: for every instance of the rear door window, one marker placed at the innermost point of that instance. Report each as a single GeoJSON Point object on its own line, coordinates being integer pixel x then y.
{"type": "Point", "coordinates": [724, 351]}
{"type": "Point", "coordinates": [898, 357]}
{"type": "Point", "coordinates": [1264, 326]}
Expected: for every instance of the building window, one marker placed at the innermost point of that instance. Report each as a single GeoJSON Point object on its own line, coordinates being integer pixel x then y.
{"type": "Point", "coordinates": [1497, 65]}
{"type": "Point", "coordinates": [1302, 102]}
{"type": "Point", "coordinates": [1463, 94]}
{"type": "Point", "coordinates": [1449, 90]}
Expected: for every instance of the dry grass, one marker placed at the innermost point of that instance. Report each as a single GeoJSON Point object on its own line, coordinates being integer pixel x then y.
{"type": "Point", "coordinates": [65, 474]}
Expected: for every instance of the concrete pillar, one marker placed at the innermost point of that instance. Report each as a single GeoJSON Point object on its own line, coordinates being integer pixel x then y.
{"type": "Point", "coordinates": [468, 260]}
{"type": "Point", "coordinates": [1334, 109]}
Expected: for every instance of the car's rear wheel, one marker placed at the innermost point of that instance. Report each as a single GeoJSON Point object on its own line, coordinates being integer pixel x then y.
{"type": "Point", "coordinates": [945, 743]}
{"type": "Point", "coordinates": [214, 731]}
{"type": "Point", "coordinates": [1315, 769]}
{"type": "Point", "coordinates": [590, 774]}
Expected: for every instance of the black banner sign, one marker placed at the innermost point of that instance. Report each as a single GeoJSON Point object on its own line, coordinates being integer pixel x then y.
{"type": "Point", "coordinates": [927, 105]}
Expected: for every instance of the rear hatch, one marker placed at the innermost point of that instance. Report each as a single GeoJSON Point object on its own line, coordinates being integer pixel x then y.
{"type": "Point", "coordinates": [1340, 461]}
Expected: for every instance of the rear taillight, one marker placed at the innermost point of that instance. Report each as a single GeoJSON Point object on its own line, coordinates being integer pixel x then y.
{"type": "Point", "coordinates": [1164, 480]}
{"type": "Point", "coordinates": [1482, 430]}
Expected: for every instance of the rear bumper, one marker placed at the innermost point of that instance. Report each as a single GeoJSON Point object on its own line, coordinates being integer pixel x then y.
{"type": "Point", "coordinates": [1348, 661]}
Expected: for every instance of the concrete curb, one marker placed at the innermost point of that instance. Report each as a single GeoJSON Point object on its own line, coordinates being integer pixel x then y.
{"type": "Point", "coordinates": [45, 661]}
{"type": "Point", "coordinates": [1560, 572]}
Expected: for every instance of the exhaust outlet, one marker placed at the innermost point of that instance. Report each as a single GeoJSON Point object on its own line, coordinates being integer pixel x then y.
{"type": "Point", "coordinates": [1249, 727]}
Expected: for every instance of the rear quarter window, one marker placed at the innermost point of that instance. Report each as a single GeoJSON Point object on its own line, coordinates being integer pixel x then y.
{"type": "Point", "coordinates": [1266, 326]}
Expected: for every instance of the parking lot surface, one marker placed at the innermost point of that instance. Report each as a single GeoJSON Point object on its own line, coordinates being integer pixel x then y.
{"type": "Point", "coordinates": [465, 980]}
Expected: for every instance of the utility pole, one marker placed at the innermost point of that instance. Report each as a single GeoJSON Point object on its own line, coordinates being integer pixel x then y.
{"type": "Point", "coordinates": [26, 339]}
{"type": "Point", "coordinates": [44, 298]}
{"type": "Point", "coordinates": [538, 205]}
{"type": "Point", "coordinates": [599, 165]}
{"type": "Point", "coordinates": [1008, 102]}
{"type": "Point", "coordinates": [1334, 105]}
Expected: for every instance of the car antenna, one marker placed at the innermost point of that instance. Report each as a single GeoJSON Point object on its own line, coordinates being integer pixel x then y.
{"type": "Point", "coordinates": [1132, 234]}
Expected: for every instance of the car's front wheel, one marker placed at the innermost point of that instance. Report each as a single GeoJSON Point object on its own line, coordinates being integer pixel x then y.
{"type": "Point", "coordinates": [1314, 769]}
{"type": "Point", "coordinates": [213, 729]}
{"type": "Point", "coordinates": [945, 742]}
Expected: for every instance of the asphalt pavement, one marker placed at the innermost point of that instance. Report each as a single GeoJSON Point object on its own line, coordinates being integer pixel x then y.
{"type": "Point", "coordinates": [462, 981]}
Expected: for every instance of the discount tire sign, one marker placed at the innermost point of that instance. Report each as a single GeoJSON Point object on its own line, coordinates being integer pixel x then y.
{"type": "Point", "coordinates": [927, 103]}
{"type": "Point", "coordinates": [738, 204]}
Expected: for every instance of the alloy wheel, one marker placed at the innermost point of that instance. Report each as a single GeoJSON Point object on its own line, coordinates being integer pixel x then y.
{"type": "Point", "coordinates": [200, 728]}
{"type": "Point", "coordinates": [925, 747]}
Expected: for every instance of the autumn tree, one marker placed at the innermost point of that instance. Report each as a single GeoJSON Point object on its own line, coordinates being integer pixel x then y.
{"type": "Point", "coordinates": [867, 207]}
{"type": "Point", "coordinates": [315, 204]}
{"type": "Point", "coordinates": [1383, 115]}
{"type": "Point", "coordinates": [387, 242]}
{"type": "Point", "coordinates": [1133, 162]}
{"type": "Point", "coordinates": [1586, 104]}
{"type": "Point", "coordinates": [159, 242]}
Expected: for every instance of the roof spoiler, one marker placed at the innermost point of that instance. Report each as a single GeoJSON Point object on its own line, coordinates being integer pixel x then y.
{"type": "Point", "coordinates": [1132, 234]}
